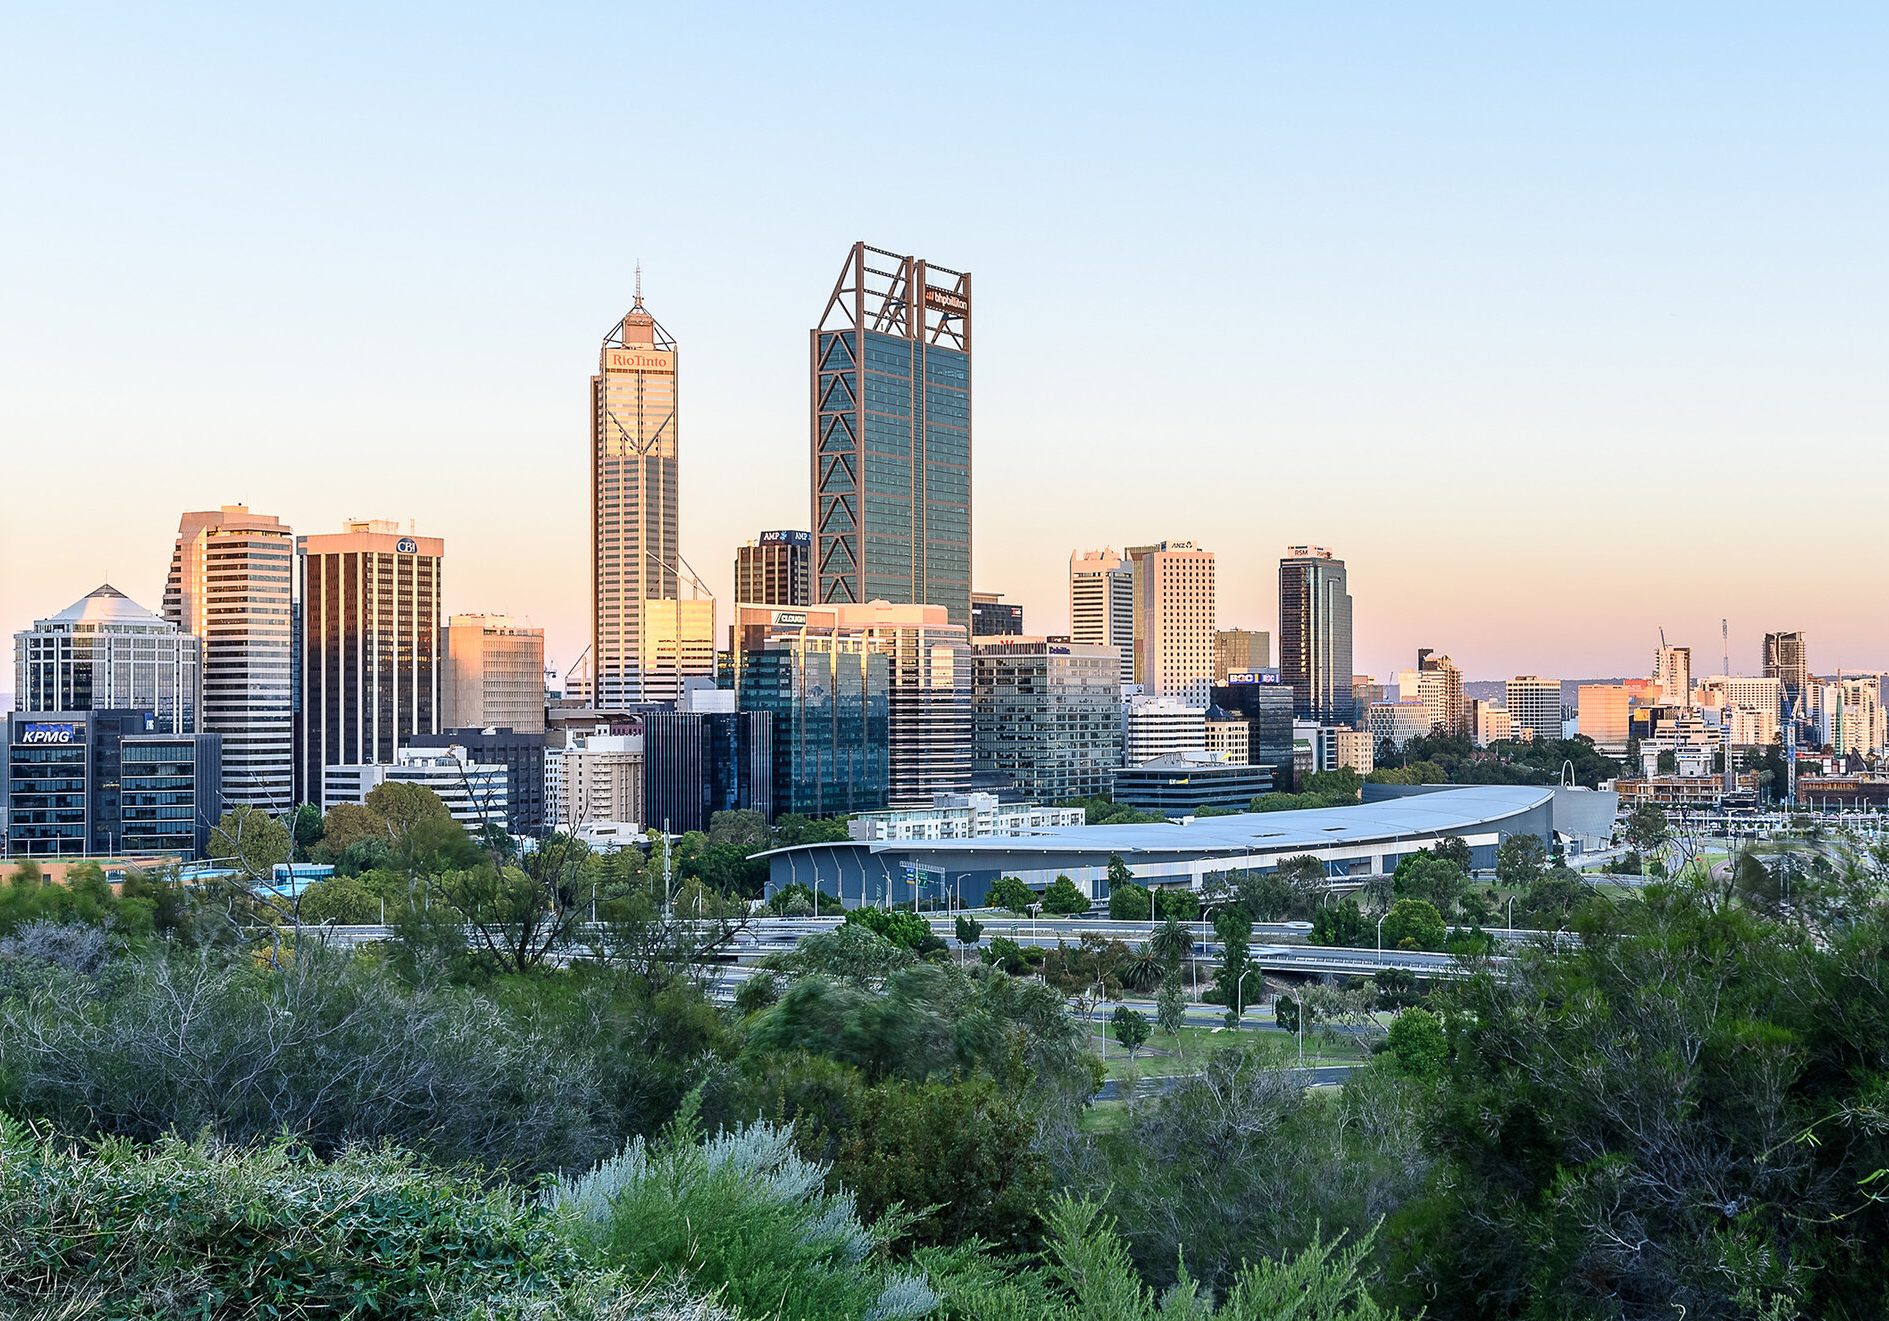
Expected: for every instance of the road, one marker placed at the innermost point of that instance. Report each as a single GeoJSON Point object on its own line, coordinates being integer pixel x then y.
{"type": "Point", "coordinates": [1325, 1075]}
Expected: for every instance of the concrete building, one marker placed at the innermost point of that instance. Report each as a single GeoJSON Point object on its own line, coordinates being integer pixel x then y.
{"type": "Point", "coordinates": [1240, 651]}
{"type": "Point", "coordinates": [370, 646]}
{"type": "Point", "coordinates": [1672, 672]}
{"type": "Point", "coordinates": [963, 816]}
{"type": "Point", "coordinates": [601, 780]}
{"type": "Point", "coordinates": [528, 808]}
{"type": "Point", "coordinates": [890, 390]}
{"type": "Point", "coordinates": [1604, 711]}
{"type": "Point", "coordinates": [1182, 784]}
{"type": "Point", "coordinates": [101, 782]}
{"type": "Point", "coordinates": [1857, 724]}
{"type": "Point", "coordinates": [1266, 705]}
{"type": "Point", "coordinates": [1534, 706]}
{"type": "Point", "coordinates": [990, 617]}
{"type": "Point", "coordinates": [1154, 727]}
{"type": "Point", "coordinates": [491, 674]}
{"type": "Point", "coordinates": [476, 794]}
{"type": "Point", "coordinates": [1491, 722]}
{"type": "Point", "coordinates": [231, 585]}
{"type": "Point", "coordinates": [634, 497]}
{"type": "Point", "coordinates": [1357, 750]}
{"type": "Point", "coordinates": [775, 568]}
{"type": "Point", "coordinates": [1438, 684]}
{"type": "Point", "coordinates": [1229, 737]}
{"type": "Point", "coordinates": [105, 651]}
{"type": "Point", "coordinates": [1102, 604]}
{"type": "Point", "coordinates": [1761, 700]}
{"type": "Point", "coordinates": [1399, 721]}
{"type": "Point", "coordinates": [1315, 633]}
{"type": "Point", "coordinates": [1045, 716]}
{"type": "Point", "coordinates": [1174, 620]}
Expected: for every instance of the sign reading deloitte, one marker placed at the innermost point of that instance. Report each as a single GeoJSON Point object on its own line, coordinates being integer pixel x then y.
{"type": "Point", "coordinates": [44, 731]}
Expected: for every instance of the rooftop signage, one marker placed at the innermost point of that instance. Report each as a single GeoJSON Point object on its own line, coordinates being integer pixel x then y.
{"type": "Point", "coordinates": [633, 360]}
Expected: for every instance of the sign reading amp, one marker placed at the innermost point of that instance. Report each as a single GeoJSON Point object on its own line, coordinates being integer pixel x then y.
{"type": "Point", "coordinates": [46, 732]}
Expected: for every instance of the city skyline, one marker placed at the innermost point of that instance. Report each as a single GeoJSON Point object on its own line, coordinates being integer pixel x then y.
{"type": "Point", "coordinates": [1617, 309]}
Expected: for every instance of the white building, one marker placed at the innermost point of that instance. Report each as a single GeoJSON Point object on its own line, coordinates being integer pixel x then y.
{"type": "Point", "coordinates": [600, 779]}
{"type": "Point", "coordinates": [106, 651]}
{"type": "Point", "coordinates": [1672, 671]}
{"type": "Point", "coordinates": [477, 794]}
{"type": "Point", "coordinates": [1102, 604]}
{"type": "Point", "coordinates": [1759, 699]}
{"type": "Point", "coordinates": [1534, 706]}
{"type": "Point", "coordinates": [1490, 722]}
{"type": "Point", "coordinates": [1161, 727]}
{"type": "Point", "coordinates": [1174, 620]}
{"type": "Point", "coordinates": [962, 816]}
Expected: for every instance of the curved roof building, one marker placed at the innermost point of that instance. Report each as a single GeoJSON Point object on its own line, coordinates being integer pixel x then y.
{"type": "Point", "coordinates": [1353, 842]}
{"type": "Point", "coordinates": [107, 652]}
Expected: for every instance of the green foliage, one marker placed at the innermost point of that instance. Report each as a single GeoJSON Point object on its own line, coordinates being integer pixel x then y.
{"type": "Point", "coordinates": [405, 807]}
{"type": "Point", "coordinates": [1015, 959]}
{"type": "Point", "coordinates": [1520, 861]}
{"type": "Point", "coordinates": [1064, 898]}
{"type": "Point", "coordinates": [744, 1214]}
{"type": "Point", "coordinates": [1414, 924]}
{"type": "Point", "coordinates": [852, 953]}
{"type": "Point", "coordinates": [968, 929]}
{"type": "Point", "coordinates": [1100, 811]}
{"type": "Point", "coordinates": [1300, 802]}
{"type": "Point", "coordinates": [1009, 892]}
{"type": "Point", "coordinates": [1128, 902]}
{"type": "Point", "coordinates": [251, 841]}
{"type": "Point", "coordinates": [1440, 882]}
{"type": "Point", "coordinates": [176, 1229]}
{"type": "Point", "coordinates": [795, 829]}
{"type": "Point", "coordinates": [1235, 929]}
{"type": "Point", "coordinates": [348, 826]}
{"type": "Point", "coordinates": [1453, 759]}
{"type": "Point", "coordinates": [1646, 829]}
{"type": "Point", "coordinates": [1417, 1044]}
{"type": "Point", "coordinates": [1131, 1028]}
{"type": "Point", "coordinates": [1341, 782]}
{"type": "Point", "coordinates": [899, 926]}
{"type": "Point", "coordinates": [344, 900]}
{"type": "Point", "coordinates": [1343, 925]}
{"type": "Point", "coordinates": [1176, 903]}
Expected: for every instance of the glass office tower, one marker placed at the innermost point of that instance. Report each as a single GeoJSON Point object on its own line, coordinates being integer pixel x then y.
{"type": "Point", "coordinates": [829, 703]}
{"type": "Point", "coordinates": [891, 443]}
{"type": "Point", "coordinates": [1315, 634]}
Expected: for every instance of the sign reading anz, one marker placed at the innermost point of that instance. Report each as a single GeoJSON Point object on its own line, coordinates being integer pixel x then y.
{"type": "Point", "coordinates": [41, 731]}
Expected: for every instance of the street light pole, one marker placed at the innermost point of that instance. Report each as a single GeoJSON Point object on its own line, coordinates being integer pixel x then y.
{"type": "Point", "coordinates": [1380, 930]}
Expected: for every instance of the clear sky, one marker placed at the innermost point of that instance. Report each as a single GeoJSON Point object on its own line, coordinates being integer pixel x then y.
{"type": "Point", "coordinates": [1559, 323]}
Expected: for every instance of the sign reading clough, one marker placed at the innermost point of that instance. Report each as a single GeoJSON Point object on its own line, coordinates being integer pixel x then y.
{"type": "Point", "coordinates": [40, 731]}
{"type": "Point", "coordinates": [629, 360]}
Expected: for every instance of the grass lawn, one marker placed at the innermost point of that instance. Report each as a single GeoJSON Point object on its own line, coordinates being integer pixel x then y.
{"type": "Point", "coordinates": [1187, 1050]}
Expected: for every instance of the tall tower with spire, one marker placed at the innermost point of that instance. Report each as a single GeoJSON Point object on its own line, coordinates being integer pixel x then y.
{"type": "Point", "coordinates": [633, 496]}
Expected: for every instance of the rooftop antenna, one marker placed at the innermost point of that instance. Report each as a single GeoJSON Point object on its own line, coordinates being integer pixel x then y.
{"type": "Point", "coordinates": [1725, 641]}
{"type": "Point", "coordinates": [639, 282]}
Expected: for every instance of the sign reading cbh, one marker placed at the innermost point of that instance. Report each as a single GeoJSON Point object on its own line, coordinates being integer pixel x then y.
{"type": "Point", "coordinates": [41, 731]}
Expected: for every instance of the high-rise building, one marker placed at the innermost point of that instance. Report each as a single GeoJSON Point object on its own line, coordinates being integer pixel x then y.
{"type": "Point", "coordinates": [1491, 722]}
{"type": "Point", "coordinates": [1045, 716]}
{"type": "Point", "coordinates": [1102, 604]}
{"type": "Point", "coordinates": [1672, 671]}
{"type": "Point", "coordinates": [1786, 661]}
{"type": "Point", "coordinates": [601, 782]}
{"type": "Point", "coordinates": [1857, 726]}
{"type": "Point", "coordinates": [676, 642]}
{"type": "Point", "coordinates": [477, 794]}
{"type": "Point", "coordinates": [1438, 684]}
{"type": "Point", "coordinates": [1315, 633]}
{"type": "Point", "coordinates": [1240, 651]}
{"type": "Point", "coordinates": [370, 646]}
{"type": "Point", "coordinates": [491, 674]}
{"type": "Point", "coordinates": [1266, 705]}
{"type": "Point", "coordinates": [231, 585]}
{"type": "Point", "coordinates": [775, 568]}
{"type": "Point", "coordinates": [105, 651]}
{"type": "Point", "coordinates": [1534, 706]}
{"type": "Point", "coordinates": [991, 618]}
{"type": "Point", "coordinates": [100, 782]}
{"type": "Point", "coordinates": [698, 763]}
{"type": "Point", "coordinates": [1174, 620]}
{"type": "Point", "coordinates": [527, 806]}
{"type": "Point", "coordinates": [929, 696]}
{"type": "Point", "coordinates": [828, 700]}
{"type": "Point", "coordinates": [1759, 699]}
{"type": "Point", "coordinates": [1161, 727]}
{"type": "Point", "coordinates": [633, 498]}
{"type": "Point", "coordinates": [891, 443]}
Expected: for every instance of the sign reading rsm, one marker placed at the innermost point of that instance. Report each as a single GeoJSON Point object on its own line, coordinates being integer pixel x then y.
{"type": "Point", "coordinates": [42, 731]}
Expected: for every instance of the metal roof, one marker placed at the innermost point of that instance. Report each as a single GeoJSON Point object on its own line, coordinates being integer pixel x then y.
{"type": "Point", "coordinates": [1459, 810]}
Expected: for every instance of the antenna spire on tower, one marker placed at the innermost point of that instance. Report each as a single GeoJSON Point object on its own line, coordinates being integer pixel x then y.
{"type": "Point", "coordinates": [639, 282]}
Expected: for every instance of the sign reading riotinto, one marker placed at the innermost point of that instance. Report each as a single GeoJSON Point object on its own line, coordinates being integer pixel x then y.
{"type": "Point", "coordinates": [638, 360]}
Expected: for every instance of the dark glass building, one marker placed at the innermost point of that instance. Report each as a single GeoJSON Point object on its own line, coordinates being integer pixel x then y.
{"type": "Point", "coordinates": [96, 783]}
{"type": "Point", "coordinates": [830, 711]}
{"type": "Point", "coordinates": [1179, 786]}
{"type": "Point", "coordinates": [1267, 709]}
{"type": "Point", "coordinates": [698, 763]}
{"type": "Point", "coordinates": [169, 792]}
{"type": "Point", "coordinates": [522, 756]}
{"type": "Point", "coordinates": [991, 618]}
{"type": "Point", "coordinates": [891, 406]}
{"type": "Point", "coordinates": [776, 568]}
{"type": "Point", "coordinates": [1315, 634]}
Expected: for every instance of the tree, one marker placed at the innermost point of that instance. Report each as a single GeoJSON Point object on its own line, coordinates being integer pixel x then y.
{"type": "Point", "coordinates": [405, 806]}
{"type": "Point", "coordinates": [1551, 900]}
{"type": "Point", "coordinates": [304, 827]}
{"type": "Point", "coordinates": [1647, 829]}
{"type": "Point", "coordinates": [1176, 903]}
{"type": "Point", "coordinates": [1456, 849]}
{"type": "Point", "coordinates": [250, 841]}
{"type": "Point", "coordinates": [1305, 880]}
{"type": "Point", "coordinates": [1170, 1005]}
{"type": "Point", "coordinates": [348, 825]}
{"type": "Point", "coordinates": [1118, 873]}
{"type": "Point", "coordinates": [1414, 924]}
{"type": "Point", "coordinates": [1417, 1043]}
{"type": "Point", "coordinates": [969, 930]}
{"type": "Point", "coordinates": [1009, 893]}
{"type": "Point", "coordinates": [1235, 929]}
{"type": "Point", "coordinates": [516, 916]}
{"type": "Point", "coordinates": [1342, 925]}
{"type": "Point", "coordinates": [1064, 897]}
{"type": "Point", "coordinates": [343, 900]}
{"type": "Point", "coordinates": [1519, 861]}
{"type": "Point", "coordinates": [743, 828]}
{"type": "Point", "coordinates": [1128, 902]}
{"type": "Point", "coordinates": [1436, 880]}
{"type": "Point", "coordinates": [901, 926]}
{"type": "Point", "coordinates": [1131, 1029]}
{"type": "Point", "coordinates": [1087, 972]}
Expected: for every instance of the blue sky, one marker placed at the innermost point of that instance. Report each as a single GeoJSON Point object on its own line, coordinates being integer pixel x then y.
{"type": "Point", "coordinates": [1560, 325]}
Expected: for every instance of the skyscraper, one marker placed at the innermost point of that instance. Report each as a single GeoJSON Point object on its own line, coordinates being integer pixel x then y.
{"type": "Point", "coordinates": [1045, 716]}
{"type": "Point", "coordinates": [105, 651]}
{"type": "Point", "coordinates": [775, 569]}
{"type": "Point", "coordinates": [1785, 660]}
{"type": "Point", "coordinates": [633, 497]}
{"type": "Point", "coordinates": [1102, 604]}
{"type": "Point", "coordinates": [1438, 684]}
{"type": "Point", "coordinates": [1315, 633]}
{"type": "Point", "coordinates": [1534, 705]}
{"type": "Point", "coordinates": [891, 443]}
{"type": "Point", "coordinates": [1240, 651]}
{"type": "Point", "coordinates": [1174, 620]}
{"type": "Point", "coordinates": [370, 646]}
{"type": "Point", "coordinates": [1672, 671]}
{"type": "Point", "coordinates": [231, 584]}
{"type": "Point", "coordinates": [491, 674]}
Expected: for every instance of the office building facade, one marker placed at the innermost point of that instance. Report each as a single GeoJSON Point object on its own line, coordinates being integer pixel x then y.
{"type": "Point", "coordinates": [477, 794]}
{"type": "Point", "coordinates": [231, 585]}
{"type": "Point", "coordinates": [1174, 620]}
{"type": "Point", "coordinates": [676, 643]}
{"type": "Point", "coordinates": [601, 781]}
{"type": "Point", "coordinates": [828, 701]}
{"type": "Point", "coordinates": [1240, 651]}
{"type": "Point", "coordinates": [1160, 727]}
{"type": "Point", "coordinates": [1490, 722]}
{"type": "Point", "coordinates": [1534, 706]}
{"type": "Point", "coordinates": [1315, 633]}
{"type": "Point", "coordinates": [170, 792]}
{"type": "Point", "coordinates": [991, 618]}
{"type": "Point", "coordinates": [634, 498]}
{"type": "Point", "coordinates": [1438, 684]}
{"type": "Point", "coordinates": [370, 646]}
{"type": "Point", "coordinates": [105, 651]}
{"type": "Point", "coordinates": [1045, 716]}
{"type": "Point", "coordinates": [891, 442]}
{"type": "Point", "coordinates": [528, 810]}
{"type": "Point", "coordinates": [1267, 708]}
{"type": "Point", "coordinates": [1102, 604]}
{"type": "Point", "coordinates": [491, 674]}
{"type": "Point", "coordinates": [776, 568]}
{"type": "Point", "coordinates": [1183, 784]}
{"type": "Point", "coordinates": [101, 782]}
{"type": "Point", "coordinates": [698, 763]}
{"type": "Point", "coordinates": [1787, 661]}
{"type": "Point", "coordinates": [929, 696]}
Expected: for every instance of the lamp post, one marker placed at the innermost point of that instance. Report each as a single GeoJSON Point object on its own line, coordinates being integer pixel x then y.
{"type": "Point", "coordinates": [1511, 914]}
{"type": "Point", "coordinates": [1239, 997]}
{"type": "Point", "coordinates": [1380, 929]}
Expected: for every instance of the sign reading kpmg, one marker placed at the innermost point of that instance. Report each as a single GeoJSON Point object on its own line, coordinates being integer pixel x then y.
{"type": "Point", "coordinates": [45, 731]}
{"type": "Point", "coordinates": [786, 538]}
